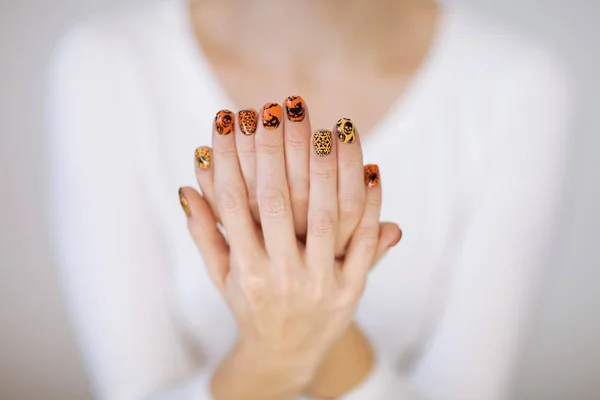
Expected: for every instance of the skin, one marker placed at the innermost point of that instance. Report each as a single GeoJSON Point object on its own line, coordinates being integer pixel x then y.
{"type": "Point", "coordinates": [323, 363]}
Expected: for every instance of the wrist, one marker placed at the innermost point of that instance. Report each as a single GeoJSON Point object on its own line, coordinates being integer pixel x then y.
{"type": "Point", "coordinates": [262, 373]}
{"type": "Point", "coordinates": [348, 363]}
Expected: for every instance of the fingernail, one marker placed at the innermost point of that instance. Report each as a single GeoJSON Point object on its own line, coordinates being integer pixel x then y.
{"type": "Point", "coordinates": [322, 142]}
{"type": "Point", "coordinates": [248, 120]}
{"type": "Point", "coordinates": [184, 203]}
{"type": "Point", "coordinates": [203, 157]}
{"type": "Point", "coordinates": [224, 122]}
{"type": "Point", "coordinates": [345, 130]}
{"type": "Point", "coordinates": [271, 116]}
{"type": "Point", "coordinates": [396, 240]}
{"type": "Point", "coordinates": [294, 106]}
{"type": "Point", "coordinates": [371, 175]}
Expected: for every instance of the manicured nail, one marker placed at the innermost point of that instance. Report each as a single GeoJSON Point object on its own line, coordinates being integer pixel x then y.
{"type": "Point", "coordinates": [184, 203]}
{"type": "Point", "coordinates": [271, 116]}
{"type": "Point", "coordinates": [294, 106]}
{"type": "Point", "coordinates": [224, 122]}
{"type": "Point", "coordinates": [345, 130]}
{"type": "Point", "coordinates": [396, 240]}
{"type": "Point", "coordinates": [203, 157]}
{"type": "Point", "coordinates": [322, 142]}
{"type": "Point", "coordinates": [371, 175]}
{"type": "Point", "coordinates": [248, 120]}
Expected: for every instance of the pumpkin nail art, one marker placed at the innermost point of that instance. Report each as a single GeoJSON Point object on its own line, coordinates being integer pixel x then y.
{"type": "Point", "coordinates": [224, 122]}
{"type": "Point", "coordinates": [203, 157]}
{"type": "Point", "coordinates": [247, 120]}
{"type": "Point", "coordinates": [345, 130]}
{"type": "Point", "coordinates": [184, 203]}
{"type": "Point", "coordinates": [271, 115]}
{"type": "Point", "coordinates": [322, 142]}
{"type": "Point", "coordinates": [294, 106]}
{"type": "Point", "coordinates": [371, 175]}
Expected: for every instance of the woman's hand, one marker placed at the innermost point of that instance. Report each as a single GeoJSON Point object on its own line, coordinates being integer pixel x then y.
{"type": "Point", "coordinates": [292, 302]}
{"type": "Point", "coordinates": [297, 148]}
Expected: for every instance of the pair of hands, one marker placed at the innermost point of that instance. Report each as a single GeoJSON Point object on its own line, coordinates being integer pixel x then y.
{"type": "Point", "coordinates": [301, 216]}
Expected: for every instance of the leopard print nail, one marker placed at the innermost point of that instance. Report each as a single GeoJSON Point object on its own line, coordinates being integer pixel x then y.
{"type": "Point", "coordinates": [224, 122]}
{"type": "Point", "coordinates": [322, 142]}
{"type": "Point", "coordinates": [271, 116]}
{"type": "Point", "coordinates": [345, 130]}
{"type": "Point", "coordinates": [371, 175]}
{"type": "Point", "coordinates": [247, 120]}
{"type": "Point", "coordinates": [294, 106]}
{"type": "Point", "coordinates": [203, 159]}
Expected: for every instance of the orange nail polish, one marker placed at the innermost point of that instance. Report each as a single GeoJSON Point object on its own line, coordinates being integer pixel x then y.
{"type": "Point", "coordinates": [371, 175]}
{"type": "Point", "coordinates": [224, 122]}
{"type": "Point", "coordinates": [247, 120]}
{"type": "Point", "coordinates": [271, 116]}
{"type": "Point", "coordinates": [203, 157]}
{"type": "Point", "coordinates": [294, 106]}
{"type": "Point", "coordinates": [184, 203]}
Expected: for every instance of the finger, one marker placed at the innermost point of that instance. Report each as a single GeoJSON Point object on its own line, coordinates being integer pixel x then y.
{"type": "Point", "coordinates": [390, 235]}
{"type": "Point", "coordinates": [322, 205]}
{"type": "Point", "coordinates": [272, 188]}
{"type": "Point", "coordinates": [247, 123]}
{"type": "Point", "coordinates": [230, 189]}
{"type": "Point", "coordinates": [297, 154]}
{"type": "Point", "coordinates": [363, 244]}
{"type": "Point", "coordinates": [205, 178]}
{"type": "Point", "coordinates": [351, 188]}
{"type": "Point", "coordinates": [202, 225]}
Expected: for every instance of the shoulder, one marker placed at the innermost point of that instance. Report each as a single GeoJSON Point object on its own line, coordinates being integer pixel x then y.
{"type": "Point", "coordinates": [503, 57]}
{"type": "Point", "coordinates": [112, 43]}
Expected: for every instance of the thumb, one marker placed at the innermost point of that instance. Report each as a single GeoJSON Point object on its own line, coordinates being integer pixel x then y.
{"type": "Point", "coordinates": [202, 225]}
{"type": "Point", "coordinates": [390, 235]}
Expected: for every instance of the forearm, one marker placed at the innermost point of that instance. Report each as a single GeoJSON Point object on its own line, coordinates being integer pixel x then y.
{"type": "Point", "coordinates": [254, 374]}
{"type": "Point", "coordinates": [346, 366]}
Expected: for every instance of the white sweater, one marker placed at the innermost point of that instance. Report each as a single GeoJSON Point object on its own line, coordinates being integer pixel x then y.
{"type": "Point", "coordinates": [472, 157]}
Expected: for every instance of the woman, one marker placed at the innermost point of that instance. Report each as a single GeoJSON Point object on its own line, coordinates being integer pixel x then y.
{"type": "Point", "coordinates": [466, 122]}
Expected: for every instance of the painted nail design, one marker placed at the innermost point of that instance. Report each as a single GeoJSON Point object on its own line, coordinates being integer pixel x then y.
{"type": "Point", "coordinates": [345, 130]}
{"type": "Point", "coordinates": [224, 122]}
{"type": "Point", "coordinates": [371, 175]}
{"type": "Point", "coordinates": [203, 157]}
{"type": "Point", "coordinates": [271, 115]}
{"type": "Point", "coordinates": [248, 120]}
{"type": "Point", "coordinates": [184, 203]}
{"type": "Point", "coordinates": [322, 142]}
{"type": "Point", "coordinates": [294, 106]}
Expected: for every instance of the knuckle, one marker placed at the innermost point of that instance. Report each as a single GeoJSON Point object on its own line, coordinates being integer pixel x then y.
{"type": "Point", "coordinates": [368, 237]}
{"type": "Point", "coordinates": [268, 146]}
{"type": "Point", "coordinates": [271, 202]}
{"type": "Point", "coordinates": [231, 199]}
{"type": "Point", "coordinates": [351, 203]}
{"type": "Point", "coordinates": [351, 165]}
{"type": "Point", "coordinates": [225, 151]}
{"type": "Point", "coordinates": [324, 173]}
{"type": "Point", "coordinates": [321, 223]}
{"type": "Point", "coordinates": [255, 290]}
{"type": "Point", "coordinates": [297, 141]}
{"type": "Point", "coordinates": [374, 201]}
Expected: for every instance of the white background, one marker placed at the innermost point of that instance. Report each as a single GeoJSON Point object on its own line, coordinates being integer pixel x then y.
{"type": "Point", "coordinates": [38, 359]}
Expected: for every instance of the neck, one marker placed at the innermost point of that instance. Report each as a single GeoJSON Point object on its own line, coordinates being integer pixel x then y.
{"type": "Point", "coordinates": [320, 29]}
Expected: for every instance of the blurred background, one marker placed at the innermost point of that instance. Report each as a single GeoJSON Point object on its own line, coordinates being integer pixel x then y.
{"type": "Point", "coordinates": [38, 357]}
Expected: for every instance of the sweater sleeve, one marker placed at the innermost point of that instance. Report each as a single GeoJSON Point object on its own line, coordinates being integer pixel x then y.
{"type": "Point", "coordinates": [472, 351]}
{"type": "Point", "coordinates": [114, 274]}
